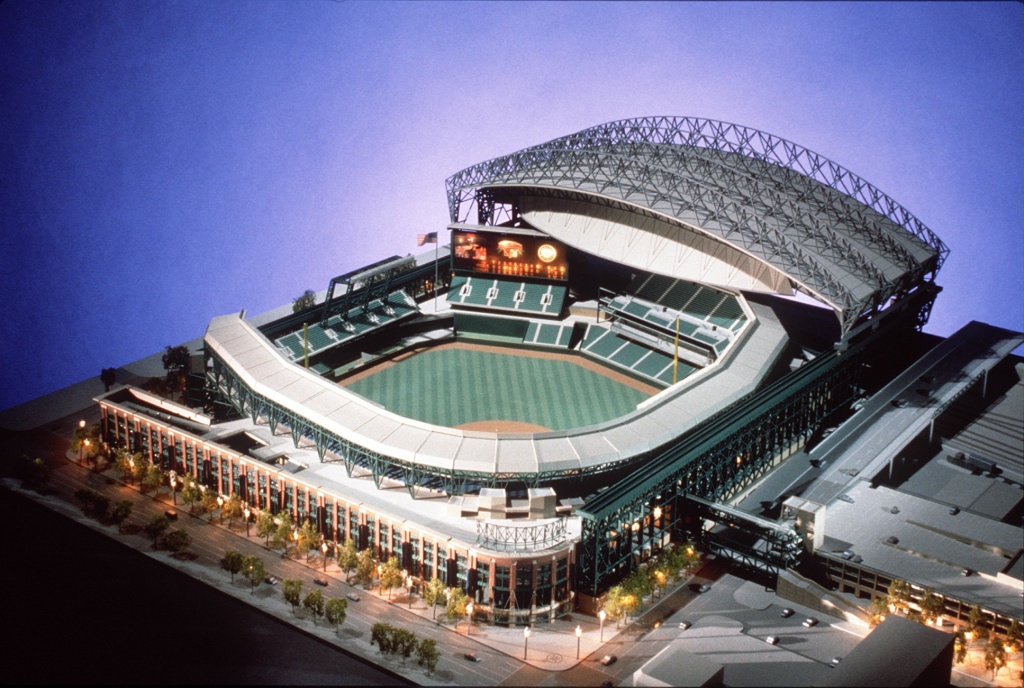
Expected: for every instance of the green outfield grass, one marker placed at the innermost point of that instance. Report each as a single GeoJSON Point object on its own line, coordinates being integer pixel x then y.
{"type": "Point", "coordinates": [451, 387]}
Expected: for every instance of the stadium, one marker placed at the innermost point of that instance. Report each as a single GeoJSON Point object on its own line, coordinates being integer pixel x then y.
{"type": "Point", "coordinates": [601, 354]}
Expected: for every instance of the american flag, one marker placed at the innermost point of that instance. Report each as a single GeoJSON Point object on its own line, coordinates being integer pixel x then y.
{"type": "Point", "coordinates": [426, 238]}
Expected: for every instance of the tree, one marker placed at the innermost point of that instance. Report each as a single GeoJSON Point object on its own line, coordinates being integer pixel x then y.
{"type": "Point", "coordinates": [190, 492]}
{"type": "Point", "coordinates": [121, 511]}
{"type": "Point", "coordinates": [427, 654]}
{"type": "Point", "coordinates": [140, 468]}
{"type": "Point", "coordinates": [348, 557]}
{"type": "Point", "coordinates": [1014, 636]}
{"type": "Point", "coordinates": [995, 656]}
{"type": "Point", "coordinates": [291, 588]}
{"type": "Point", "coordinates": [283, 534]}
{"type": "Point", "coordinates": [108, 376]}
{"type": "Point", "coordinates": [157, 525]}
{"type": "Point", "coordinates": [176, 362]}
{"type": "Point", "coordinates": [637, 586]}
{"type": "Point", "coordinates": [123, 463]}
{"type": "Point", "coordinates": [100, 505]}
{"type": "Point", "coordinates": [959, 647]}
{"type": "Point", "coordinates": [336, 610]}
{"type": "Point", "coordinates": [34, 473]}
{"type": "Point", "coordinates": [366, 568]}
{"type": "Point", "coordinates": [314, 604]}
{"type": "Point", "coordinates": [254, 572]}
{"type": "Point", "coordinates": [209, 501]}
{"type": "Point", "coordinates": [403, 642]}
{"type": "Point", "coordinates": [433, 593]}
{"type": "Point", "coordinates": [308, 538]}
{"type": "Point", "coordinates": [154, 477]}
{"type": "Point", "coordinates": [265, 526]}
{"type": "Point", "coordinates": [380, 635]}
{"type": "Point", "coordinates": [177, 541]}
{"type": "Point", "coordinates": [307, 300]}
{"type": "Point", "coordinates": [457, 601]}
{"type": "Point", "coordinates": [878, 609]}
{"type": "Point", "coordinates": [932, 606]}
{"type": "Point", "coordinates": [232, 562]}
{"type": "Point", "coordinates": [232, 509]}
{"type": "Point", "coordinates": [899, 596]}
{"type": "Point", "coordinates": [613, 606]}
{"type": "Point", "coordinates": [390, 574]}
{"type": "Point", "coordinates": [976, 623]}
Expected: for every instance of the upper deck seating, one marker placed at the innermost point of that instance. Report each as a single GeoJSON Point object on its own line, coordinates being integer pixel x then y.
{"type": "Point", "coordinates": [700, 302]}
{"type": "Point", "coordinates": [338, 329]}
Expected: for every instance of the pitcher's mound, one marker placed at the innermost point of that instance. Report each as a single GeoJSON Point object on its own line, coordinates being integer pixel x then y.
{"type": "Point", "coordinates": [502, 426]}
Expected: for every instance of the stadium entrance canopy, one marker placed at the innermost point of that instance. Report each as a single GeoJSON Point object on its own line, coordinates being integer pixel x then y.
{"type": "Point", "coordinates": [712, 202]}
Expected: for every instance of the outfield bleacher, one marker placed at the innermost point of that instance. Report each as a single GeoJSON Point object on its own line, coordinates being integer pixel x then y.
{"type": "Point", "coordinates": [643, 361]}
{"type": "Point", "coordinates": [338, 329]}
{"type": "Point", "coordinates": [506, 295]}
{"type": "Point", "coordinates": [548, 334]}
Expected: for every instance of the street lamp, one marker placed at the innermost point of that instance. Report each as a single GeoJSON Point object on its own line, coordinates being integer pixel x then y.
{"type": "Point", "coordinates": [323, 548]}
{"type": "Point", "coordinates": [526, 640]}
{"type": "Point", "coordinates": [469, 618]}
{"type": "Point", "coordinates": [220, 507]}
{"type": "Point", "coordinates": [174, 484]}
{"type": "Point", "coordinates": [247, 513]}
{"type": "Point", "coordinates": [407, 583]}
{"type": "Point", "coordinates": [601, 615]}
{"type": "Point", "coordinates": [579, 635]}
{"type": "Point", "coordinates": [81, 441]}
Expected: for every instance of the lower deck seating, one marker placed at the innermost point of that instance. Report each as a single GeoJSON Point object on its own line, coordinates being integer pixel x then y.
{"type": "Point", "coordinates": [649, 363]}
{"type": "Point", "coordinates": [507, 295]}
{"type": "Point", "coordinates": [548, 334]}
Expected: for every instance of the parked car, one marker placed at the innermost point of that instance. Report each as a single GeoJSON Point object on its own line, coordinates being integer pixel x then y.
{"type": "Point", "coordinates": [471, 656]}
{"type": "Point", "coordinates": [704, 588]}
{"type": "Point", "coordinates": [171, 514]}
{"type": "Point", "coordinates": [786, 613]}
{"type": "Point", "coordinates": [810, 622]}
{"type": "Point", "coordinates": [772, 640]}
{"type": "Point", "coordinates": [271, 580]}
{"type": "Point", "coordinates": [683, 625]}
{"type": "Point", "coordinates": [353, 597]}
{"type": "Point", "coordinates": [608, 660]}
{"type": "Point", "coordinates": [321, 581]}
{"type": "Point", "coordinates": [899, 403]}
{"type": "Point", "coordinates": [836, 660]}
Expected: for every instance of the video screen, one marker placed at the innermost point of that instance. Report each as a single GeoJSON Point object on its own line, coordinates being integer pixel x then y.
{"type": "Point", "coordinates": [509, 254]}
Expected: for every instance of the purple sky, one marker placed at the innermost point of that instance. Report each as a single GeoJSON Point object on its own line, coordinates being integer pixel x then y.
{"type": "Point", "coordinates": [164, 163]}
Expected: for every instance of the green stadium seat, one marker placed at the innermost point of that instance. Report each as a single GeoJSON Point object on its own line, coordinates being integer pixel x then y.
{"type": "Point", "coordinates": [628, 355]}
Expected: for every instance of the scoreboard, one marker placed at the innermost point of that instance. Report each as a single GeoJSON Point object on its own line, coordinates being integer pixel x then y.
{"type": "Point", "coordinates": [516, 255]}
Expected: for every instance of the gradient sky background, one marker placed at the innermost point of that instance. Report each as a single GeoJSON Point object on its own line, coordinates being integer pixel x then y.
{"type": "Point", "coordinates": [166, 162]}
